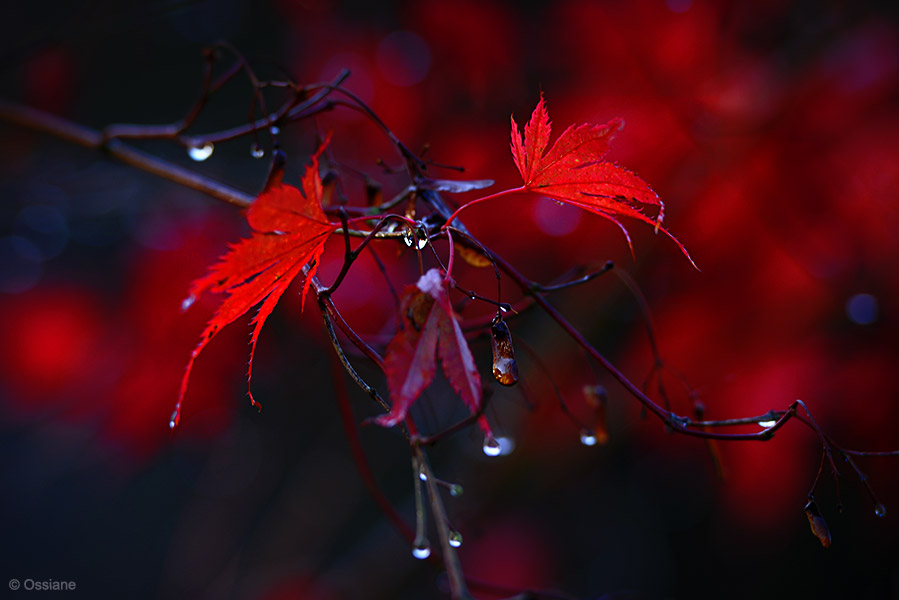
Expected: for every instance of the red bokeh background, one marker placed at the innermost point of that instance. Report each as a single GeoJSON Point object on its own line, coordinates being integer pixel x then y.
{"type": "Point", "coordinates": [770, 131]}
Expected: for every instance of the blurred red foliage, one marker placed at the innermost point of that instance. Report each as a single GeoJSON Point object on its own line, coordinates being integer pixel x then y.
{"type": "Point", "coordinates": [769, 129]}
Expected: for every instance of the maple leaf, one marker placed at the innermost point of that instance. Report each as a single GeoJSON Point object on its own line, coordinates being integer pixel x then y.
{"type": "Point", "coordinates": [289, 232]}
{"type": "Point", "coordinates": [572, 172]}
{"type": "Point", "coordinates": [430, 328]}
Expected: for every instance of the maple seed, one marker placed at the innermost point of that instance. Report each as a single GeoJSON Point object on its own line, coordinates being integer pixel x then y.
{"type": "Point", "coordinates": [505, 369]}
{"type": "Point", "coordinates": [817, 524]}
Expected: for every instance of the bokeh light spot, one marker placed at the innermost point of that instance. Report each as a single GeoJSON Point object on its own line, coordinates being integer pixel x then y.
{"type": "Point", "coordinates": [862, 309]}
{"type": "Point", "coordinates": [403, 58]}
{"type": "Point", "coordinates": [20, 264]}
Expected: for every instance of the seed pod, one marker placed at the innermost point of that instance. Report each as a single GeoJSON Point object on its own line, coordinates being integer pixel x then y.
{"type": "Point", "coordinates": [373, 194]}
{"type": "Point", "coordinates": [329, 188]}
{"type": "Point", "coordinates": [595, 396]}
{"type": "Point", "coordinates": [817, 524]}
{"type": "Point", "coordinates": [473, 257]}
{"type": "Point", "coordinates": [505, 369]}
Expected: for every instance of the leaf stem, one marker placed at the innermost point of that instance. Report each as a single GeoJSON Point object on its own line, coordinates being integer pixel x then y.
{"type": "Point", "coordinates": [452, 253]}
{"type": "Point", "coordinates": [453, 216]}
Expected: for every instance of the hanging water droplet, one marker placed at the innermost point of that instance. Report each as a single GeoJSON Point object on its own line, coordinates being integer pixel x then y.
{"type": "Point", "coordinates": [408, 239]}
{"type": "Point", "coordinates": [421, 549]}
{"type": "Point", "coordinates": [187, 303]}
{"type": "Point", "coordinates": [455, 490]}
{"type": "Point", "coordinates": [201, 153]}
{"type": "Point", "coordinates": [880, 511]}
{"type": "Point", "coordinates": [274, 129]}
{"type": "Point", "coordinates": [175, 418]}
{"type": "Point", "coordinates": [422, 475]}
{"type": "Point", "coordinates": [505, 369]}
{"type": "Point", "coordinates": [491, 446]}
{"type": "Point", "coordinates": [455, 539]}
{"type": "Point", "coordinates": [256, 151]}
{"type": "Point", "coordinates": [767, 424]}
{"type": "Point", "coordinates": [587, 438]}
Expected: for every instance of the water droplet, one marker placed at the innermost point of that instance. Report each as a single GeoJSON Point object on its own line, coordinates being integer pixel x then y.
{"type": "Point", "coordinates": [421, 549]}
{"type": "Point", "coordinates": [187, 302]}
{"type": "Point", "coordinates": [408, 238]}
{"type": "Point", "coordinates": [880, 511]}
{"type": "Point", "coordinates": [201, 153]}
{"type": "Point", "coordinates": [274, 129]}
{"type": "Point", "coordinates": [455, 490]}
{"type": "Point", "coordinates": [422, 475]}
{"type": "Point", "coordinates": [491, 446]}
{"type": "Point", "coordinates": [587, 438]}
{"type": "Point", "coordinates": [256, 151]}
{"type": "Point", "coordinates": [767, 424]}
{"type": "Point", "coordinates": [504, 309]}
{"type": "Point", "coordinates": [455, 539]}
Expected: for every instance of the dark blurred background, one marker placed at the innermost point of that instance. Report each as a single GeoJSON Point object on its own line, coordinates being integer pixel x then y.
{"type": "Point", "coordinates": [770, 130]}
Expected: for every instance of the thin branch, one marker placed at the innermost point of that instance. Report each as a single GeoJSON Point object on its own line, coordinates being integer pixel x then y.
{"type": "Point", "coordinates": [458, 588]}
{"type": "Point", "coordinates": [358, 453]}
{"type": "Point", "coordinates": [588, 277]}
{"type": "Point", "coordinates": [677, 423]}
{"type": "Point", "coordinates": [39, 120]}
{"type": "Point", "coordinates": [348, 367]}
{"type": "Point", "coordinates": [535, 357]}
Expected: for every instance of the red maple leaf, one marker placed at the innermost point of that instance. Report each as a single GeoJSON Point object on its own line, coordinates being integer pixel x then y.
{"type": "Point", "coordinates": [430, 327]}
{"type": "Point", "coordinates": [572, 171]}
{"type": "Point", "coordinates": [289, 232]}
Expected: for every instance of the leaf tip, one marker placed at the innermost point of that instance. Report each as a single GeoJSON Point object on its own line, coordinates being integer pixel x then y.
{"type": "Point", "coordinates": [388, 420]}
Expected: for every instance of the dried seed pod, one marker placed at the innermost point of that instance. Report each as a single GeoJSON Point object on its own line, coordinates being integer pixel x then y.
{"type": "Point", "coordinates": [817, 524]}
{"type": "Point", "coordinates": [505, 369]}
{"type": "Point", "coordinates": [595, 397]}
{"type": "Point", "coordinates": [473, 257]}
{"type": "Point", "coordinates": [329, 188]}
{"type": "Point", "coordinates": [373, 194]}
